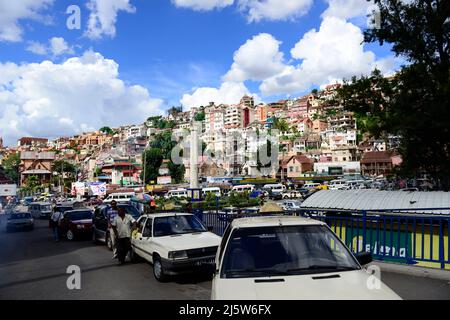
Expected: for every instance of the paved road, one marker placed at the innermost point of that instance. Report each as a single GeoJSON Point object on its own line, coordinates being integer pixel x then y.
{"type": "Point", "coordinates": [32, 266]}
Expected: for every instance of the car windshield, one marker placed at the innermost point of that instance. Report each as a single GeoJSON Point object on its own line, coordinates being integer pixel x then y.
{"type": "Point", "coordinates": [46, 207]}
{"type": "Point", "coordinates": [285, 250]}
{"type": "Point", "coordinates": [80, 215]}
{"type": "Point", "coordinates": [179, 224]}
{"type": "Point", "coordinates": [132, 211]}
{"type": "Point", "coordinates": [17, 216]}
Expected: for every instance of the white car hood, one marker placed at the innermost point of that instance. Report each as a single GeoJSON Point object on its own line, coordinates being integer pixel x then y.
{"type": "Point", "coordinates": [351, 285]}
{"type": "Point", "coordinates": [189, 241]}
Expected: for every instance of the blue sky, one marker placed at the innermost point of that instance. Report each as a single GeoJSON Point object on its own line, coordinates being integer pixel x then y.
{"type": "Point", "coordinates": [167, 53]}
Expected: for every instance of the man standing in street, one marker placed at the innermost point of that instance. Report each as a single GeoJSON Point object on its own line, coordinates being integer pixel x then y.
{"type": "Point", "coordinates": [122, 226]}
{"type": "Point", "coordinates": [111, 214]}
{"type": "Point", "coordinates": [54, 221]}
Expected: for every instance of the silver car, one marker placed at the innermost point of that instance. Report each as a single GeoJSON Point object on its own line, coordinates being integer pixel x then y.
{"type": "Point", "coordinates": [19, 221]}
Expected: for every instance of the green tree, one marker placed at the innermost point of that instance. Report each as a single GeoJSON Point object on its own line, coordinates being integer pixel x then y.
{"type": "Point", "coordinates": [414, 103]}
{"type": "Point", "coordinates": [200, 116]}
{"type": "Point", "coordinates": [176, 171]}
{"type": "Point", "coordinates": [281, 125]}
{"type": "Point", "coordinates": [152, 162]}
{"type": "Point", "coordinates": [175, 110]}
{"type": "Point", "coordinates": [32, 183]}
{"type": "Point", "coordinates": [11, 166]}
{"type": "Point", "coordinates": [107, 130]}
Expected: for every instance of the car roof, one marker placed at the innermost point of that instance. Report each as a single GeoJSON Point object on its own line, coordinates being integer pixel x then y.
{"type": "Point", "coordinates": [166, 214]}
{"type": "Point", "coordinates": [79, 210]}
{"type": "Point", "coordinates": [267, 221]}
{"type": "Point", "coordinates": [41, 203]}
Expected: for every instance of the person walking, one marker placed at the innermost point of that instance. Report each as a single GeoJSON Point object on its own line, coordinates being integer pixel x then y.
{"type": "Point", "coordinates": [123, 225]}
{"type": "Point", "coordinates": [111, 214]}
{"type": "Point", "coordinates": [54, 221]}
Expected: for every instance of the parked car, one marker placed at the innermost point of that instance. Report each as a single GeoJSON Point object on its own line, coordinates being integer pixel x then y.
{"type": "Point", "coordinates": [289, 258]}
{"type": "Point", "coordinates": [100, 232]}
{"type": "Point", "coordinates": [291, 205]}
{"type": "Point", "coordinates": [76, 224]}
{"type": "Point", "coordinates": [174, 243]}
{"type": "Point", "coordinates": [19, 221]}
{"type": "Point", "coordinates": [275, 195]}
{"type": "Point", "coordinates": [27, 201]}
{"type": "Point", "coordinates": [40, 210]}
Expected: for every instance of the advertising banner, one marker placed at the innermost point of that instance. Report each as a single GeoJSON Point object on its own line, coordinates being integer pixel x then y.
{"type": "Point", "coordinates": [78, 188]}
{"type": "Point", "coordinates": [97, 188]}
{"type": "Point", "coordinates": [8, 190]}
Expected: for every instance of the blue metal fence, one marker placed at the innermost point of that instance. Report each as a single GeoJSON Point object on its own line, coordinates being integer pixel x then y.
{"type": "Point", "coordinates": [390, 236]}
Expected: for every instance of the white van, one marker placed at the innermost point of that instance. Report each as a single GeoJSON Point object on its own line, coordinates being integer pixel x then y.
{"type": "Point", "coordinates": [243, 188]}
{"type": "Point", "coordinates": [213, 190]}
{"type": "Point", "coordinates": [278, 187]}
{"type": "Point", "coordinates": [39, 210]}
{"type": "Point", "coordinates": [310, 185]}
{"type": "Point", "coordinates": [120, 197]}
{"type": "Point", "coordinates": [355, 184]}
{"type": "Point", "coordinates": [177, 193]}
{"type": "Point", "coordinates": [337, 185]}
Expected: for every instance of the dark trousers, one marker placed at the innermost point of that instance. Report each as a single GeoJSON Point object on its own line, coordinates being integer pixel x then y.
{"type": "Point", "coordinates": [123, 247]}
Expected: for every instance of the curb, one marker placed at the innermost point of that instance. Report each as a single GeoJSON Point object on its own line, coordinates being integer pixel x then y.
{"type": "Point", "coordinates": [415, 271]}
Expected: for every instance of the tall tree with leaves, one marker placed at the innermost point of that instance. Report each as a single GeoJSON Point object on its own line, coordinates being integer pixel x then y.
{"type": "Point", "coordinates": [152, 162]}
{"type": "Point", "coordinates": [11, 166]}
{"type": "Point", "coordinates": [414, 103]}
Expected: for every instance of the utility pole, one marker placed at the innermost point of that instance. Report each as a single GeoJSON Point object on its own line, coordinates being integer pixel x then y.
{"type": "Point", "coordinates": [145, 166]}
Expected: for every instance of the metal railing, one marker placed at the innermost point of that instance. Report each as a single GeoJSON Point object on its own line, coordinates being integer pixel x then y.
{"type": "Point", "coordinates": [391, 235]}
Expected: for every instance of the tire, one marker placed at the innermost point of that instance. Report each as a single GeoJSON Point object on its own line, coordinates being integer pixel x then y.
{"type": "Point", "coordinates": [70, 235]}
{"type": "Point", "coordinates": [158, 270]}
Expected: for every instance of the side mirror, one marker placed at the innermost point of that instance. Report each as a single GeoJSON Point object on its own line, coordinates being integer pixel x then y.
{"type": "Point", "coordinates": [210, 228]}
{"type": "Point", "coordinates": [364, 258]}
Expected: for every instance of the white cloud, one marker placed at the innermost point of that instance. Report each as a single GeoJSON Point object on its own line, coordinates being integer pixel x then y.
{"type": "Point", "coordinates": [103, 17]}
{"type": "Point", "coordinates": [57, 46]}
{"type": "Point", "coordinates": [203, 5]}
{"type": "Point", "coordinates": [11, 12]}
{"type": "Point", "coordinates": [82, 93]}
{"type": "Point", "coordinates": [335, 51]}
{"type": "Point", "coordinates": [347, 9]}
{"type": "Point", "coordinates": [228, 93]}
{"type": "Point", "coordinates": [257, 10]}
{"type": "Point", "coordinates": [257, 59]}
{"type": "Point", "coordinates": [37, 48]}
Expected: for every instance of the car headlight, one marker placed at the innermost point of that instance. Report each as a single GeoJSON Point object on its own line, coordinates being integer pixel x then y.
{"type": "Point", "coordinates": [80, 226]}
{"type": "Point", "coordinates": [177, 255]}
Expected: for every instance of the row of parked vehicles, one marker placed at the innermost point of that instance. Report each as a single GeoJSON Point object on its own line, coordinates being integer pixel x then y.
{"type": "Point", "coordinates": [271, 257]}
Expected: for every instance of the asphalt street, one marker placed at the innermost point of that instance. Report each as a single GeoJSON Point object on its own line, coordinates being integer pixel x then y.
{"type": "Point", "coordinates": [33, 266]}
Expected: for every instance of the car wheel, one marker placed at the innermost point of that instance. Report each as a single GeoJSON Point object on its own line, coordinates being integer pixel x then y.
{"type": "Point", "coordinates": [158, 270]}
{"type": "Point", "coordinates": [109, 242]}
{"type": "Point", "coordinates": [70, 235]}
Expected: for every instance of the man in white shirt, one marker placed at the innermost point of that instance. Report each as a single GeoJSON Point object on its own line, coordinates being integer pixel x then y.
{"type": "Point", "coordinates": [54, 221]}
{"type": "Point", "coordinates": [122, 226]}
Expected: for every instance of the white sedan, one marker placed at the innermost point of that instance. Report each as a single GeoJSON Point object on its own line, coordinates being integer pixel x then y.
{"type": "Point", "coordinates": [174, 243]}
{"type": "Point", "coordinates": [291, 258]}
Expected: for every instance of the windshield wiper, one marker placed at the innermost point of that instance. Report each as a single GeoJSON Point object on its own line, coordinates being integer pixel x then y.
{"type": "Point", "coordinates": [321, 267]}
{"type": "Point", "coordinates": [263, 272]}
{"type": "Point", "coordinates": [193, 230]}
